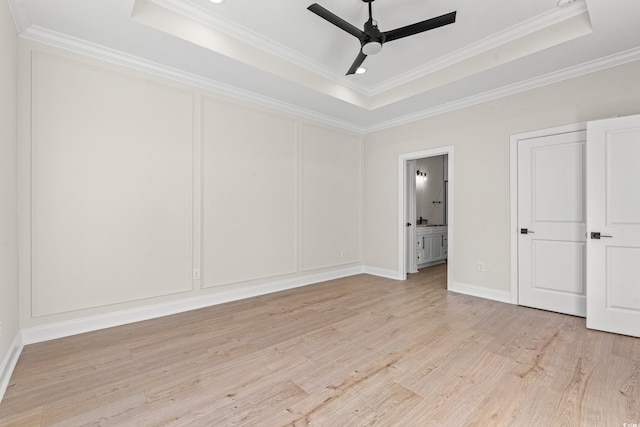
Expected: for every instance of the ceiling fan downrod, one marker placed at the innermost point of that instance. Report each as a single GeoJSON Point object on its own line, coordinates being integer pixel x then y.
{"type": "Point", "coordinates": [372, 44]}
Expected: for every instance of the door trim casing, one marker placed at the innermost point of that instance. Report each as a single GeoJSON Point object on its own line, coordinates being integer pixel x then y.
{"type": "Point", "coordinates": [402, 194]}
{"type": "Point", "coordinates": [513, 193]}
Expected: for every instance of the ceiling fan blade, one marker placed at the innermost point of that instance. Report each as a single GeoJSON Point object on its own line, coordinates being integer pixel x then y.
{"type": "Point", "coordinates": [335, 20]}
{"type": "Point", "coordinates": [420, 27]}
{"type": "Point", "coordinates": [357, 63]}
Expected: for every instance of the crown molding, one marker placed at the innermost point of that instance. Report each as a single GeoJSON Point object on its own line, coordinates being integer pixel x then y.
{"type": "Point", "coordinates": [614, 60]}
{"type": "Point", "coordinates": [201, 14]}
{"type": "Point", "coordinates": [243, 34]}
{"type": "Point", "coordinates": [494, 41]}
{"type": "Point", "coordinates": [99, 52]}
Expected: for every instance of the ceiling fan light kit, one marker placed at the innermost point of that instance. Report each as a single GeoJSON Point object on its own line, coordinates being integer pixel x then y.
{"type": "Point", "coordinates": [565, 3]}
{"type": "Point", "coordinates": [371, 48]}
{"type": "Point", "coordinates": [371, 38]}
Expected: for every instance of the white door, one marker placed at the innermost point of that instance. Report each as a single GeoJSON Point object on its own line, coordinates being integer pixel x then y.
{"type": "Point", "coordinates": [552, 223]}
{"type": "Point", "coordinates": [613, 210]}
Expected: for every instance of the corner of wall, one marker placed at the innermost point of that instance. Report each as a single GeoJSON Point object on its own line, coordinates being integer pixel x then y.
{"type": "Point", "coordinates": [9, 363]}
{"type": "Point", "coordinates": [10, 336]}
{"type": "Point", "coordinates": [481, 292]}
{"type": "Point", "coordinates": [382, 272]}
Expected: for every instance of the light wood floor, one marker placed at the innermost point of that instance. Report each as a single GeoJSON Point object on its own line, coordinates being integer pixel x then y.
{"type": "Point", "coordinates": [357, 351]}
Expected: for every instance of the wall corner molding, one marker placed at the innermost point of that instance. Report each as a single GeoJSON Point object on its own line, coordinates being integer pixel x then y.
{"type": "Point", "coordinates": [9, 363]}
{"type": "Point", "coordinates": [21, 16]}
{"type": "Point", "coordinates": [481, 292]}
{"type": "Point", "coordinates": [382, 272]}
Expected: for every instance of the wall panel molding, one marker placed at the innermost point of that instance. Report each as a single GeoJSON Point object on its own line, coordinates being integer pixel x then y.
{"type": "Point", "coordinates": [331, 197]}
{"type": "Point", "coordinates": [111, 187]}
{"type": "Point", "coordinates": [34, 334]}
{"type": "Point", "coordinates": [249, 193]}
{"type": "Point", "coordinates": [92, 131]}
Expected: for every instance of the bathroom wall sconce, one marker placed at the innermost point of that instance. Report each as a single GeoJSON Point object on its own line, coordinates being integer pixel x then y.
{"type": "Point", "coordinates": [421, 176]}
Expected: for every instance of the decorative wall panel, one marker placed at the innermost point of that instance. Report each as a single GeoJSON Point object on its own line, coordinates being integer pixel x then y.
{"type": "Point", "coordinates": [112, 184]}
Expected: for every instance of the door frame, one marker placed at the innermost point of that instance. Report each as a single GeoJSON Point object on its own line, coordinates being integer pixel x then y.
{"type": "Point", "coordinates": [411, 262]}
{"type": "Point", "coordinates": [513, 193]}
{"type": "Point", "coordinates": [403, 194]}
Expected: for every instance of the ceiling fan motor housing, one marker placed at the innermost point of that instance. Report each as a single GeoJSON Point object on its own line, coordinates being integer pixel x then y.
{"type": "Point", "coordinates": [372, 38]}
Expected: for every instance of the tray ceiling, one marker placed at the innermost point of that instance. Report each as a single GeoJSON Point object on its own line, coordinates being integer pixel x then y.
{"type": "Point", "coordinates": [279, 54]}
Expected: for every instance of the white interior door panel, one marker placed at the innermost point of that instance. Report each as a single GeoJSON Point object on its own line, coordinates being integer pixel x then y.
{"type": "Point", "coordinates": [613, 210]}
{"type": "Point", "coordinates": [552, 223]}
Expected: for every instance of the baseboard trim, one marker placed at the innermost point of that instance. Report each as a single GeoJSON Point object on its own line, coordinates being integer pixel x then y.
{"type": "Point", "coordinates": [389, 274]}
{"type": "Point", "coordinates": [9, 363]}
{"type": "Point", "coordinates": [51, 331]}
{"type": "Point", "coordinates": [481, 292]}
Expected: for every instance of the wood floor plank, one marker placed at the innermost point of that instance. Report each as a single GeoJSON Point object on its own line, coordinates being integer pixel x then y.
{"type": "Point", "coordinates": [358, 351]}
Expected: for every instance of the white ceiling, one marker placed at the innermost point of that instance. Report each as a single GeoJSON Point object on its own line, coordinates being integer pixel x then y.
{"type": "Point", "coordinates": [279, 54]}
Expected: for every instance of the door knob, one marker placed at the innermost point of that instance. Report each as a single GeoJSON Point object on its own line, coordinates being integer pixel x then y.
{"type": "Point", "coordinates": [526, 231]}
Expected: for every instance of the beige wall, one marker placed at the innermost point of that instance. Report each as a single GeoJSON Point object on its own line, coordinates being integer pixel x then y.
{"type": "Point", "coordinates": [8, 190]}
{"type": "Point", "coordinates": [132, 182]}
{"type": "Point", "coordinates": [136, 181]}
{"type": "Point", "coordinates": [480, 135]}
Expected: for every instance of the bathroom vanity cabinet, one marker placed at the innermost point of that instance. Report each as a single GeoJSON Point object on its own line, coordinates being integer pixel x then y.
{"type": "Point", "coordinates": [431, 244]}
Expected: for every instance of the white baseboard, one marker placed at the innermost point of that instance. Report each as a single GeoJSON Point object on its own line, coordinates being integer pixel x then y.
{"type": "Point", "coordinates": [107, 320]}
{"type": "Point", "coordinates": [9, 363]}
{"type": "Point", "coordinates": [481, 292]}
{"type": "Point", "coordinates": [389, 274]}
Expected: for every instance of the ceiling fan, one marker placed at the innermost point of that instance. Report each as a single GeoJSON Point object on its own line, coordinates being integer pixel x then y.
{"type": "Point", "coordinates": [371, 38]}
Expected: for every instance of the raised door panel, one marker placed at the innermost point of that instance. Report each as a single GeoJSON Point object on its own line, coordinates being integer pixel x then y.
{"type": "Point", "coordinates": [436, 247]}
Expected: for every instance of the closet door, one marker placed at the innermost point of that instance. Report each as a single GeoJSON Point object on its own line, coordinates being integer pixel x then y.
{"type": "Point", "coordinates": [552, 223]}
{"type": "Point", "coordinates": [613, 212]}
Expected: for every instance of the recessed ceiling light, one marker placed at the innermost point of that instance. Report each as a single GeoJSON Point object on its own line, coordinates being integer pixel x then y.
{"type": "Point", "coordinates": [361, 70]}
{"type": "Point", "coordinates": [217, 1]}
{"type": "Point", "coordinates": [565, 3]}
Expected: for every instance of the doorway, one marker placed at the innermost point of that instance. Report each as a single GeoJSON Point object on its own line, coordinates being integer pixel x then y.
{"type": "Point", "coordinates": [406, 207]}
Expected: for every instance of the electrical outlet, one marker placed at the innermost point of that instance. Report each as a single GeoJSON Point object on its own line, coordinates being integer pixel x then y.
{"type": "Point", "coordinates": [342, 253]}
{"type": "Point", "coordinates": [481, 266]}
{"type": "Point", "coordinates": [196, 273]}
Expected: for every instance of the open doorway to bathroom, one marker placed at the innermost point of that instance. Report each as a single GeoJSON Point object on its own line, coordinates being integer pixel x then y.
{"type": "Point", "coordinates": [425, 210]}
{"type": "Point", "coordinates": [430, 213]}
